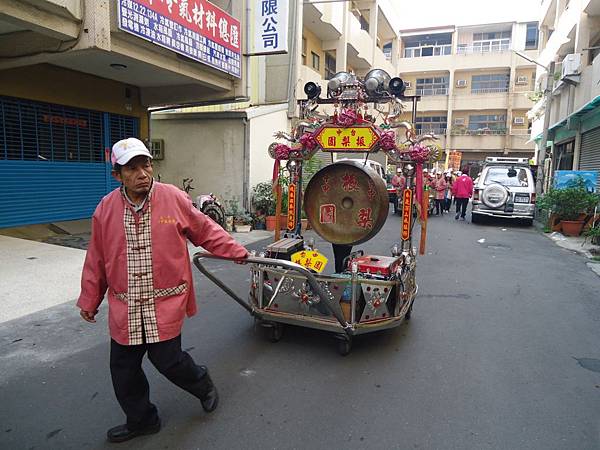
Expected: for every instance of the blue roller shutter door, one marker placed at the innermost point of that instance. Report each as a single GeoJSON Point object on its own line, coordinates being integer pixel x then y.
{"type": "Point", "coordinates": [52, 160]}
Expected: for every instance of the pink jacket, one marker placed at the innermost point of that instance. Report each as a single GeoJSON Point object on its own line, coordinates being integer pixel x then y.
{"type": "Point", "coordinates": [462, 187]}
{"type": "Point", "coordinates": [174, 220]}
{"type": "Point", "coordinates": [439, 185]}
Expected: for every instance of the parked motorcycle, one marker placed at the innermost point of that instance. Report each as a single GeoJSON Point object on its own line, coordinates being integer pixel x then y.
{"type": "Point", "coordinates": [207, 203]}
{"type": "Point", "coordinates": [210, 205]}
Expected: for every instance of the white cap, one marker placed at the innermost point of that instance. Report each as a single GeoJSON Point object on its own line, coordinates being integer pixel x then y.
{"type": "Point", "coordinates": [425, 170]}
{"type": "Point", "coordinates": [399, 169]}
{"type": "Point", "coordinates": [126, 149]}
{"type": "Point", "coordinates": [458, 172]}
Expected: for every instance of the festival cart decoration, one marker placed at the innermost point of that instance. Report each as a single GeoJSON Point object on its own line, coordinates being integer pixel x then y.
{"type": "Point", "coordinates": [346, 203]}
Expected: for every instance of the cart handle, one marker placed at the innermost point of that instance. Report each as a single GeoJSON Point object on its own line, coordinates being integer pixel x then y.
{"type": "Point", "coordinates": [312, 281]}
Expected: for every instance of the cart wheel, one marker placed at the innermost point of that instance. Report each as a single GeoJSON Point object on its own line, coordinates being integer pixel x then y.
{"type": "Point", "coordinates": [409, 312]}
{"type": "Point", "coordinates": [344, 346]}
{"type": "Point", "coordinates": [275, 332]}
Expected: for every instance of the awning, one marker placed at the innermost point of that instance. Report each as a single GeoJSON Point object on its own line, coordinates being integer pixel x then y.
{"type": "Point", "coordinates": [589, 106]}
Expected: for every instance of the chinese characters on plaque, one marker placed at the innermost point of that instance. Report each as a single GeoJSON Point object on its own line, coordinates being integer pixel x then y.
{"type": "Point", "coordinates": [270, 27]}
{"type": "Point", "coordinates": [193, 28]}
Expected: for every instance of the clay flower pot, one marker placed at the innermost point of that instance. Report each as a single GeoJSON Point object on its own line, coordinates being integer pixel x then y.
{"type": "Point", "coordinates": [572, 227]}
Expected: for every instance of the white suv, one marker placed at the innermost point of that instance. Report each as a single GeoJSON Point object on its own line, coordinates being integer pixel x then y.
{"type": "Point", "coordinates": [505, 188]}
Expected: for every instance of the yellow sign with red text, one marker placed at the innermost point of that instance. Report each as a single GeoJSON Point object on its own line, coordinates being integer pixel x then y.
{"type": "Point", "coordinates": [351, 139]}
{"type": "Point", "coordinates": [311, 259]}
{"type": "Point", "coordinates": [291, 217]}
{"type": "Point", "coordinates": [406, 213]}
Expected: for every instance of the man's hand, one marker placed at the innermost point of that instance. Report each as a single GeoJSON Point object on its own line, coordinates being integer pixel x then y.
{"type": "Point", "coordinates": [88, 316]}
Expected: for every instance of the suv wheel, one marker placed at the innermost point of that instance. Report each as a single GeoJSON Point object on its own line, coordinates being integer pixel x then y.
{"type": "Point", "coordinates": [494, 196]}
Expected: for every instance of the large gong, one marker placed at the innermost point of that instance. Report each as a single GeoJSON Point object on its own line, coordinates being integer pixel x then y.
{"type": "Point", "coordinates": [346, 202]}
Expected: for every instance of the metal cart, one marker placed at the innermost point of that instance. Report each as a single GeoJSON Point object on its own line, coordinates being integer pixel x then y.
{"type": "Point", "coordinates": [282, 292]}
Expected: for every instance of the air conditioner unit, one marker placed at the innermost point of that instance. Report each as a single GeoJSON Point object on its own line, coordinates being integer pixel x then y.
{"type": "Point", "coordinates": [407, 85]}
{"type": "Point", "coordinates": [459, 121]}
{"type": "Point", "coordinates": [521, 80]}
{"type": "Point", "coordinates": [571, 65]}
{"type": "Point", "coordinates": [461, 83]}
{"type": "Point", "coordinates": [157, 148]}
{"type": "Point", "coordinates": [519, 120]}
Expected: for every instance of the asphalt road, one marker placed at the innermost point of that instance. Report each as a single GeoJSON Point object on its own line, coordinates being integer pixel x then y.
{"type": "Point", "coordinates": [502, 352]}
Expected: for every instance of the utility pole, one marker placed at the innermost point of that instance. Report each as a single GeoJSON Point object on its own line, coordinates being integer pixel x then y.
{"type": "Point", "coordinates": [547, 110]}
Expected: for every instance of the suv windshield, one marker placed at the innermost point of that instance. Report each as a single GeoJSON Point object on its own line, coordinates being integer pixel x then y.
{"type": "Point", "coordinates": [501, 175]}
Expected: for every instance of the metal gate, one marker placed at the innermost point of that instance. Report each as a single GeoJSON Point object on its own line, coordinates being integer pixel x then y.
{"type": "Point", "coordinates": [53, 164]}
{"type": "Point", "coordinates": [590, 153]}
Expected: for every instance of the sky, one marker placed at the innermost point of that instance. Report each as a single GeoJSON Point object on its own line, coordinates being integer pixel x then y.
{"type": "Point", "coordinates": [429, 13]}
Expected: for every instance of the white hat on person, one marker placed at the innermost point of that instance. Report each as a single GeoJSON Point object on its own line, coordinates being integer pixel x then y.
{"type": "Point", "coordinates": [459, 173]}
{"type": "Point", "coordinates": [125, 149]}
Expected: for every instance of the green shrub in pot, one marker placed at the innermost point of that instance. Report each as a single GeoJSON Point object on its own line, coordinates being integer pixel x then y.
{"type": "Point", "coordinates": [570, 202]}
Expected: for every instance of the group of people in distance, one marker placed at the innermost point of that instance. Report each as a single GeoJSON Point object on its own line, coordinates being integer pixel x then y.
{"type": "Point", "coordinates": [446, 186]}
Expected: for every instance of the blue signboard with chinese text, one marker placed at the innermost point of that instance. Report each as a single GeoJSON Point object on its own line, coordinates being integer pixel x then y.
{"type": "Point", "coordinates": [197, 29]}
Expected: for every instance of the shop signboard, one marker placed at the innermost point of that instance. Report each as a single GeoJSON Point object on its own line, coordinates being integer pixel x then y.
{"type": "Point", "coordinates": [196, 29]}
{"type": "Point", "coordinates": [270, 27]}
{"type": "Point", "coordinates": [454, 160]}
{"type": "Point", "coordinates": [564, 178]}
{"type": "Point", "coordinates": [350, 139]}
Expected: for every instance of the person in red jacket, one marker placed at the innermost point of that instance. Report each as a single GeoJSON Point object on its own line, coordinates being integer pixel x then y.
{"type": "Point", "coordinates": [138, 257]}
{"type": "Point", "coordinates": [462, 189]}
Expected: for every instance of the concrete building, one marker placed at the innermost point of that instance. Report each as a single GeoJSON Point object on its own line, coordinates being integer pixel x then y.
{"type": "Point", "coordinates": [323, 38]}
{"type": "Point", "coordinates": [570, 36]}
{"type": "Point", "coordinates": [474, 88]}
{"type": "Point", "coordinates": [77, 75]}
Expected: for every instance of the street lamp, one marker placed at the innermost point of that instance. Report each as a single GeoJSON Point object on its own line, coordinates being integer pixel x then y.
{"type": "Point", "coordinates": [548, 96]}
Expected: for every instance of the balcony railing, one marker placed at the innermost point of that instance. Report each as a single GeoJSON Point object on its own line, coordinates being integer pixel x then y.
{"type": "Point", "coordinates": [464, 49]}
{"type": "Point", "coordinates": [489, 90]}
{"type": "Point", "coordinates": [436, 131]}
{"type": "Point", "coordinates": [520, 132]}
{"type": "Point", "coordinates": [433, 91]}
{"type": "Point", "coordinates": [434, 50]}
{"type": "Point", "coordinates": [477, 132]}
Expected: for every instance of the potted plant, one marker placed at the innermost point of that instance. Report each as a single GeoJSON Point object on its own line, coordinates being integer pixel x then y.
{"type": "Point", "coordinates": [232, 209]}
{"type": "Point", "coordinates": [242, 222]}
{"type": "Point", "coordinates": [569, 204]}
{"type": "Point", "coordinates": [593, 234]}
{"type": "Point", "coordinates": [259, 220]}
{"type": "Point", "coordinates": [263, 201]}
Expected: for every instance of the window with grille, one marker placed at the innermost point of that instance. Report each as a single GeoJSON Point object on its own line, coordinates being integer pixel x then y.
{"type": "Point", "coordinates": [489, 83]}
{"type": "Point", "coordinates": [432, 124]}
{"type": "Point", "coordinates": [330, 64]}
{"type": "Point", "coordinates": [303, 50]}
{"type": "Point", "coordinates": [316, 61]}
{"type": "Point", "coordinates": [36, 131]}
{"type": "Point", "coordinates": [495, 122]}
{"type": "Point", "coordinates": [531, 36]}
{"type": "Point", "coordinates": [432, 86]}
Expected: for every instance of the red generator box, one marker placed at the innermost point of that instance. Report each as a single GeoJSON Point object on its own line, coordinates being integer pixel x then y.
{"type": "Point", "coordinates": [380, 266]}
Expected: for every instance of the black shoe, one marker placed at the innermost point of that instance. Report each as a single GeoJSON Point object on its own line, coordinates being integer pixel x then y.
{"type": "Point", "coordinates": [456, 216]}
{"type": "Point", "coordinates": [210, 398]}
{"type": "Point", "coordinates": [122, 433]}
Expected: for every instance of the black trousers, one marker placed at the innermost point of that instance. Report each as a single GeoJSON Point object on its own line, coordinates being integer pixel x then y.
{"type": "Point", "coordinates": [461, 206]}
{"type": "Point", "coordinates": [130, 383]}
{"type": "Point", "coordinates": [340, 252]}
{"type": "Point", "coordinates": [439, 206]}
